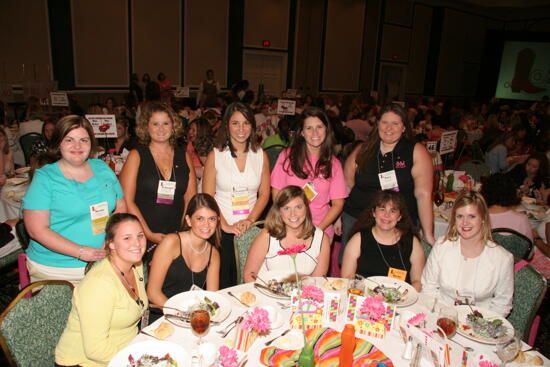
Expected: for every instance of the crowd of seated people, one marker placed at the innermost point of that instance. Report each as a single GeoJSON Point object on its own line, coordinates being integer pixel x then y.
{"type": "Point", "coordinates": [353, 182]}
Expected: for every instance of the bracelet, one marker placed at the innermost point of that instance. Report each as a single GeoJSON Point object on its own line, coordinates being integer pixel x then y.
{"type": "Point", "coordinates": [80, 250]}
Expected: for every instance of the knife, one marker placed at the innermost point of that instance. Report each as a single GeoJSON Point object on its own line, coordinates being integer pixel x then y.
{"type": "Point", "coordinates": [257, 285]}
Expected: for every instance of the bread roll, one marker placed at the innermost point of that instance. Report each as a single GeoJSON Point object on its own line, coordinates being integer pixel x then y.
{"type": "Point", "coordinates": [248, 298]}
{"type": "Point", "coordinates": [533, 360]}
{"type": "Point", "coordinates": [163, 331]}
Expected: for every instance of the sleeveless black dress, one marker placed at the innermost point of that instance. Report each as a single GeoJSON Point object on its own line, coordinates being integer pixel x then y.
{"type": "Point", "coordinates": [179, 278]}
{"type": "Point", "coordinates": [161, 218]}
{"type": "Point", "coordinates": [374, 260]}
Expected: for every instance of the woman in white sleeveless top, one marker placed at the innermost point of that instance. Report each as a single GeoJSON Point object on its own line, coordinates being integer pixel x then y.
{"type": "Point", "coordinates": [288, 223]}
{"type": "Point", "coordinates": [236, 174]}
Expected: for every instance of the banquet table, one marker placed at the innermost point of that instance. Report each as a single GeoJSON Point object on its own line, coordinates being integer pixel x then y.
{"type": "Point", "coordinates": [10, 201]}
{"type": "Point", "coordinates": [392, 345]}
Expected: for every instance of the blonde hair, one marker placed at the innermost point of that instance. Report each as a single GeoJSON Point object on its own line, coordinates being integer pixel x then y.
{"type": "Point", "coordinates": [274, 222]}
{"type": "Point", "coordinates": [470, 198]}
{"type": "Point", "coordinates": [148, 109]}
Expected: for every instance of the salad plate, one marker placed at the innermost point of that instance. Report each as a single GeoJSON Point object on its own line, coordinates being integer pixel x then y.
{"type": "Point", "coordinates": [482, 325]}
{"type": "Point", "coordinates": [394, 291]}
{"type": "Point", "coordinates": [276, 284]}
{"type": "Point", "coordinates": [153, 349]}
{"type": "Point", "coordinates": [218, 306]}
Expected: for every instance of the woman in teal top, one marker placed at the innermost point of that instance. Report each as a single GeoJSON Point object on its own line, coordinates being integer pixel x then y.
{"type": "Point", "coordinates": [68, 204]}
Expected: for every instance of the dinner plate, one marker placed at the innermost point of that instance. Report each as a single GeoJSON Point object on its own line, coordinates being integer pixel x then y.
{"type": "Point", "coordinates": [158, 348]}
{"type": "Point", "coordinates": [278, 275]}
{"type": "Point", "coordinates": [408, 299]}
{"type": "Point", "coordinates": [465, 330]}
{"type": "Point", "coordinates": [185, 300]}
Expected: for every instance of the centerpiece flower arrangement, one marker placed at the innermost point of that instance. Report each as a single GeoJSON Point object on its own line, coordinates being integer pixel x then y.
{"type": "Point", "coordinates": [306, 358]}
{"type": "Point", "coordinates": [254, 324]}
{"type": "Point", "coordinates": [227, 357]}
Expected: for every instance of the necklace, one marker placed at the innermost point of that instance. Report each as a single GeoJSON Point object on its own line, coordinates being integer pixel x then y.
{"type": "Point", "coordinates": [198, 252]}
{"type": "Point", "coordinates": [132, 289]}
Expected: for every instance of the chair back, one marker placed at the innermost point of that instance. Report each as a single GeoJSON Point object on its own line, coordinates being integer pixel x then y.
{"type": "Point", "coordinates": [529, 290]}
{"type": "Point", "coordinates": [31, 327]}
{"type": "Point", "coordinates": [513, 241]}
{"type": "Point", "coordinates": [22, 234]}
{"type": "Point", "coordinates": [476, 169]}
{"type": "Point", "coordinates": [273, 152]}
{"type": "Point", "coordinates": [26, 141]}
{"type": "Point", "coordinates": [427, 248]}
{"type": "Point", "coordinates": [242, 245]}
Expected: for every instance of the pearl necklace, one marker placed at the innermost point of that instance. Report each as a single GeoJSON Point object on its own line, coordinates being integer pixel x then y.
{"type": "Point", "coordinates": [200, 252]}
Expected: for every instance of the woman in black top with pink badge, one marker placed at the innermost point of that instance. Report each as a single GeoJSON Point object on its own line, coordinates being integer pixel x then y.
{"type": "Point", "coordinates": [383, 242]}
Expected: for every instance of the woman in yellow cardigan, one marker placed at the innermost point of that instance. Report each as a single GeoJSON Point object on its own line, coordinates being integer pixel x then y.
{"type": "Point", "coordinates": [109, 302]}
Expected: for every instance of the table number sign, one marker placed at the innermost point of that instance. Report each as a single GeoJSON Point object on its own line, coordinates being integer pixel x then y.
{"type": "Point", "coordinates": [286, 107]}
{"type": "Point", "coordinates": [59, 99]}
{"type": "Point", "coordinates": [104, 126]}
{"type": "Point", "coordinates": [431, 146]}
{"type": "Point", "coordinates": [448, 142]}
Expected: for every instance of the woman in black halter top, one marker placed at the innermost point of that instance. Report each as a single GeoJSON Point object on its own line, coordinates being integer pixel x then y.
{"type": "Point", "coordinates": [187, 258]}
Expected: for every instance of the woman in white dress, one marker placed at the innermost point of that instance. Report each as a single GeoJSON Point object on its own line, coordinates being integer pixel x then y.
{"type": "Point", "coordinates": [288, 223]}
{"type": "Point", "coordinates": [236, 174]}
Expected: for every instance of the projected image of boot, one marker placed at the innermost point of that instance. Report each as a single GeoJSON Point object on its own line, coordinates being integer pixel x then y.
{"type": "Point", "coordinates": [524, 64]}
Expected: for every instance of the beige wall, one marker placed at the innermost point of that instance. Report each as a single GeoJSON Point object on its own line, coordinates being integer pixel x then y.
{"type": "Point", "coordinates": [266, 20]}
{"type": "Point", "coordinates": [24, 40]}
{"type": "Point", "coordinates": [156, 41]}
{"type": "Point", "coordinates": [205, 40]}
{"type": "Point", "coordinates": [100, 43]}
{"type": "Point", "coordinates": [343, 44]}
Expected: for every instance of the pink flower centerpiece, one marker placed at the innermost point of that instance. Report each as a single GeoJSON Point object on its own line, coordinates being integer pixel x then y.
{"type": "Point", "coordinates": [306, 358]}
{"type": "Point", "coordinates": [254, 324]}
{"type": "Point", "coordinates": [417, 319]}
{"type": "Point", "coordinates": [227, 358]}
{"type": "Point", "coordinates": [373, 307]}
{"type": "Point", "coordinates": [487, 363]}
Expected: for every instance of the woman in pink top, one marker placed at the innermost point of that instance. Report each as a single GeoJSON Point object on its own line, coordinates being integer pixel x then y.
{"type": "Point", "coordinates": [310, 164]}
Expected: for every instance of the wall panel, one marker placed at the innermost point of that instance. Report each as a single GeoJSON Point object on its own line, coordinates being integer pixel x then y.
{"type": "Point", "coordinates": [156, 38]}
{"type": "Point", "coordinates": [24, 39]}
{"type": "Point", "coordinates": [266, 20]}
{"type": "Point", "coordinates": [343, 44]}
{"type": "Point", "coordinates": [205, 40]}
{"type": "Point", "coordinates": [399, 12]}
{"type": "Point", "coordinates": [100, 42]}
{"type": "Point", "coordinates": [418, 52]}
{"type": "Point", "coordinates": [395, 43]}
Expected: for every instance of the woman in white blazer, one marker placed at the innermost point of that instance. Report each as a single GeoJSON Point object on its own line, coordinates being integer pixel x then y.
{"type": "Point", "coordinates": [466, 266]}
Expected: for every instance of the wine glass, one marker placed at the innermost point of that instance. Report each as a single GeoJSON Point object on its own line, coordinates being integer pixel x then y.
{"type": "Point", "coordinates": [447, 320]}
{"type": "Point", "coordinates": [200, 322]}
{"type": "Point", "coordinates": [507, 351]}
{"type": "Point", "coordinates": [438, 198]}
{"type": "Point", "coordinates": [356, 286]}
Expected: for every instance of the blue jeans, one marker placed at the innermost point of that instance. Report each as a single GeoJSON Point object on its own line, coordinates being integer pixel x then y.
{"type": "Point", "coordinates": [347, 222]}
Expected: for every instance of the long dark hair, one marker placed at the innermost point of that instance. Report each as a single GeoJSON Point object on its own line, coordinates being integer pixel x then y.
{"type": "Point", "coordinates": [224, 138]}
{"type": "Point", "coordinates": [204, 140]}
{"type": "Point", "coordinates": [204, 201]}
{"type": "Point", "coordinates": [542, 172]}
{"type": "Point", "coordinates": [297, 159]}
{"type": "Point", "coordinates": [366, 219]}
{"type": "Point", "coordinates": [368, 149]}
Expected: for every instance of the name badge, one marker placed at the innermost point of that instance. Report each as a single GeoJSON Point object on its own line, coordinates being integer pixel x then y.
{"type": "Point", "coordinates": [165, 192]}
{"type": "Point", "coordinates": [388, 180]}
{"type": "Point", "coordinates": [99, 213]}
{"type": "Point", "coordinates": [195, 288]}
{"type": "Point", "coordinates": [309, 190]}
{"type": "Point", "coordinates": [397, 274]}
{"type": "Point", "coordinates": [239, 201]}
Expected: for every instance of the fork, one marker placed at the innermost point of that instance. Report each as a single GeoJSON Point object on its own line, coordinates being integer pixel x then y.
{"type": "Point", "coordinates": [233, 323]}
{"type": "Point", "coordinates": [238, 299]}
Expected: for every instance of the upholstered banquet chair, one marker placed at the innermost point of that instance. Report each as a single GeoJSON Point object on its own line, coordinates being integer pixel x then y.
{"type": "Point", "coordinates": [476, 169]}
{"type": "Point", "coordinates": [26, 141]}
{"type": "Point", "coordinates": [519, 245]}
{"type": "Point", "coordinates": [529, 291]}
{"type": "Point", "coordinates": [242, 245]}
{"type": "Point", "coordinates": [31, 327]}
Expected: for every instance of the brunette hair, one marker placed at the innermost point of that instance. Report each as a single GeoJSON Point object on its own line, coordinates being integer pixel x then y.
{"type": "Point", "coordinates": [368, 148]}
{"type": "Point", "coordinates": [274, 222]}
{"type": "Point", "coordinates": [204, 140]}
{"type": "Point", "coordinates": [204, 201]}
{"type": "Point", "coordinates": [542, 172]}
{"type": "Point", "coordinates": [147, 112]}
{"type": "Point", "coordinates": [366, 218]}
{"type": "Point", "coordinates": [224, 138]}
{"type": "Point", "coordinates": [113, 223]}
{"type": "Point", "coordinates": [67, 124]}
{"type": "Point", "coordinates": [500, 189]}
{"type": "Point", "coordinates": [298, 160]}
{"type": "Point", "coordinates": [474, 198]}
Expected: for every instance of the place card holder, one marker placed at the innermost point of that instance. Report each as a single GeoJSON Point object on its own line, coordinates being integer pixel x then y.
{"type": "Point", "coordinates": [437, 350]}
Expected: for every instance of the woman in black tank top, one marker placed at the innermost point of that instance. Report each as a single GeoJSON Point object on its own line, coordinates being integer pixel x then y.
{"type": "Point", "coordinates": [383, 242]}
{"type": "Point", "coordinates": [190, 257]}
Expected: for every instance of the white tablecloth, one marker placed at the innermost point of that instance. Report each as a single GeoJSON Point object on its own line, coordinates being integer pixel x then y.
{"type": "Point", "coordinates": [392, 345]}
{"type": "Point", "coordinates": [10, 201]}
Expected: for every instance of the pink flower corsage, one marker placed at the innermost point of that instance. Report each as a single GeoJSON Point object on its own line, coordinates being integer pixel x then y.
{"type": "Point", "coordinates": [417, 319]}
{"type": "Point", "coordinates": [257, 320]}
{"type": "Point", "coordinates": [292, 250]}
{"type": "Point", "coordinates": [228, 357]}
{"type": "Point", "coordinates": [313, 292]}
{"type": "Point", "coordinates": [487, 363]}
{"type": "Point", "coordinates": [372, 307]}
